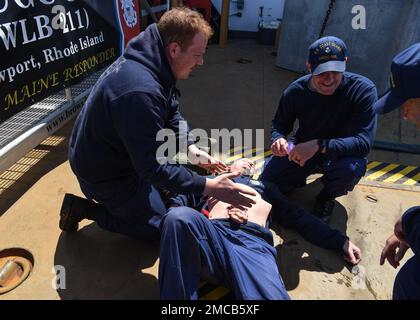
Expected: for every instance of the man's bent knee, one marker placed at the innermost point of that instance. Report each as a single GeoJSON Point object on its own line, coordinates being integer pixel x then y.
{"type": "Point", "coordinates": [181, 216]}
{"type": "Point", "coordinates": [352, 167]}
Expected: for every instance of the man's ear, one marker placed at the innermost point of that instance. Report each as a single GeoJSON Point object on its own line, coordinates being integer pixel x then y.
{"type": "Point", "coordinates": [308, 66]}
{"type": "Point", "coordinates": [173, 49]}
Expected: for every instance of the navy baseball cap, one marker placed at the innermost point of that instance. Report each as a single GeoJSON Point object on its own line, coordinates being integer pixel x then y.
{"type": "Point", "coordinates": [327, 54]}
{"type": "Point", "coordinates": [405, 79]}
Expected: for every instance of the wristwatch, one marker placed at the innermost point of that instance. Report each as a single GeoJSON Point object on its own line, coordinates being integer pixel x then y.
{"type": "Point", "coordinates": [322, 145]}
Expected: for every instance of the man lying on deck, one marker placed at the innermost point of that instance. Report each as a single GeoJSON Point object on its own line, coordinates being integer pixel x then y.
{"type": "Point", "coordinates": [233, 247]}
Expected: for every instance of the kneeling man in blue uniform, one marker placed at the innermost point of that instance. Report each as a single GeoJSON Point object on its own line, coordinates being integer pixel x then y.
{"type": "Point", "coordinates": [336, 127]}
{"type": "Point", "coordinates": [234, 247]}
{"type": "Point", "coordinates": [113, 147]}
{"type": "Point", "coordinates": [404, 93]}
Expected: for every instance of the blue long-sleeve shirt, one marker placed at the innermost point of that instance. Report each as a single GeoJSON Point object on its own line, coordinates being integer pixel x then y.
{"type": "Point", "coordinates": [345, 119]}
{"type": "Point", "coordinates": [411, 228]}
{"type": "Point", "coordinates": [114, 141]}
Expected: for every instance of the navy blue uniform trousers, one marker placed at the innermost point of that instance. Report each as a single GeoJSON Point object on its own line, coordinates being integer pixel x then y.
{"type": "Point", "coordinates": [138, 215]}
{"type": "Point", "coordinates": [194, 247]}
{"type": "Point", "coordinates": [407, 282]}
{"type": "Point", "coordinates": [340, 175]}
{"type": "Point", "coordinates": [242, 259]}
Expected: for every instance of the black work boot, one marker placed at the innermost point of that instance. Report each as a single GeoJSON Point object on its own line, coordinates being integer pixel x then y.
{"type": "Point", "coordinates": [73, 210]}
{"type": "Point", "coordinates": [323, 209]}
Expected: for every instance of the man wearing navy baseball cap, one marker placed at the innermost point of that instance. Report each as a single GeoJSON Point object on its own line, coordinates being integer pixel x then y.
{"type": "Point", "coordinates": [405, 86]}
{"type": "Point", "coordinates": [336, 129]}
{"type": "Point", "coordinates": [404, 93]}
{"type": "Point", "coordinates": [327, 54]}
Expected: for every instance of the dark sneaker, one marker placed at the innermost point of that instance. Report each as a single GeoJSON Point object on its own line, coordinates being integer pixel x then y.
{"type": "Point", "coordinates": [324, 209]}
{"type": "Point", "coordinates": [72, 212]}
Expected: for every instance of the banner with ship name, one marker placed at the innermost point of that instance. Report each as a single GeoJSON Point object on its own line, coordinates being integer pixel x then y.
{"type": "Point", "coordinates": [47, 45]}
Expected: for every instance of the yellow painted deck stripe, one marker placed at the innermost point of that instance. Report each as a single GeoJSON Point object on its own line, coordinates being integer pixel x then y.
{"type": "Point", "coordinates": [242, 154]}
{"type": "Point", "coordinates": [258, 170]}
{"type": "Point", "coordinates": [413, 180]}
{"type": "Point", "coordinates": [261, 155]}
{"type": "Point", "coordinates": [381, 172]}
{"type": "Point", "coordinates": [400, 174]}
{"type": "Point", "coordinates": [239, 155]}
{"type": "Point", "coordinates": [259, 165]}
{"type": "Point", "coordinates": [215, 294]}
{"type": "Point", "coordinates": [235, 149]}
{"type": "Point", "coordinates": [256, 176]}
{"type": "Point", "coordinates": [372, 165]}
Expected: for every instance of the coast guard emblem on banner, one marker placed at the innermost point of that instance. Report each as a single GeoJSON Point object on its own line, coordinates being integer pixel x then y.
{"type": "Point", "coordinates": [129, 19]}
{"type": "Point", "coordinates": [129, 12]}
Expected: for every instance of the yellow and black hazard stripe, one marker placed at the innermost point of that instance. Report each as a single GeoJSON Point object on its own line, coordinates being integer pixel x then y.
{"type": "Point", "coordinates": [376, 171]}
{"type": "Point", "coordinates": [393, 173]}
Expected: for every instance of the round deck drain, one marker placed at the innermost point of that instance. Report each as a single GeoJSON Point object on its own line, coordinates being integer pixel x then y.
{"type": "Point", "coordinates": [15, 266]}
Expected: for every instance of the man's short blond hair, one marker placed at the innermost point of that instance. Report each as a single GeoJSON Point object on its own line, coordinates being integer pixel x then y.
{"type": "Point", "coordinates": [180, 25]}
